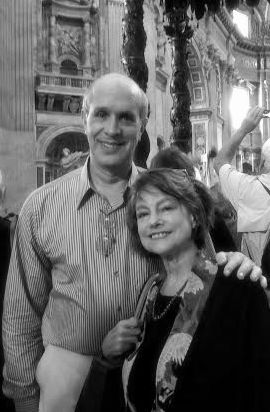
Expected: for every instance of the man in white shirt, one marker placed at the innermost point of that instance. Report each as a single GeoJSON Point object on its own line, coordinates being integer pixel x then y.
{"type": "Point", "coordinates": [247, 193]}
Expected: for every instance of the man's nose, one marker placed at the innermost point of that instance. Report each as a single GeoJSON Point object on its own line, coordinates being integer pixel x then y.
{"type": "Point", "coordinates": [113, 125]}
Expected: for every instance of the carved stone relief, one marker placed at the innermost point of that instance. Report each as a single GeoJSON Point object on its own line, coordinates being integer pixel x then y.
{"type": "Point", "coordinates": [199, 131]}
{"type": "Point", "coordinates": [69, 39]}
{"type": "Point", "coordinates": [161, 37]}
{"type": "Point", "coordinates": [248, 62]}
{"type": "Point", "coordinates": [74, 105]}
{"type": "Point", "coordinates": [218, 89]}
{"type": "Point", "coordinates": [203, 49]}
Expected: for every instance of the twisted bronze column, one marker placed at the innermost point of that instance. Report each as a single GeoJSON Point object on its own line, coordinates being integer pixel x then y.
{"type": "Point", "coordinates": [134, 42]}
{"type": "Point", "coordinates": [180, 32]}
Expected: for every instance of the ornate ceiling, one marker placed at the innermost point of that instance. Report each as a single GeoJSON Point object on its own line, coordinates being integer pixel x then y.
{"type": "Point", "coordinates": [199, 7]}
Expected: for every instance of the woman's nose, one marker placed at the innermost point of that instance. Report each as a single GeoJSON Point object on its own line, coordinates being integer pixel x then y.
{"type": "Point", "coordinates": [155, 219]}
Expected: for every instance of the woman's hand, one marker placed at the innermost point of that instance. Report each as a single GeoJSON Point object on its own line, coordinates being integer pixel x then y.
{"type": "Point", "coordinates": [121, 339]}
{"type": "Point", "coordinates": [244, 265]}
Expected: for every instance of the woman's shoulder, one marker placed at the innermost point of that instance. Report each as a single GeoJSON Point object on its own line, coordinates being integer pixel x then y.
{"type": "Point", "coordinates": [239, 292]}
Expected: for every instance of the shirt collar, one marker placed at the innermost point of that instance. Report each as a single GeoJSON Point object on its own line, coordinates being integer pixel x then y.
{"type": "Point", "coordinates": [86, 187]}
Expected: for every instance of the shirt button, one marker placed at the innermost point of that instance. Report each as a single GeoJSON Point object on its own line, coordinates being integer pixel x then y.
{"type": "Point", "coordinates": [116, 273]}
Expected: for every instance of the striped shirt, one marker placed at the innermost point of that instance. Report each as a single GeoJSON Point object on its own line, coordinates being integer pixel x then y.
{"type": "Point", "coordinates": [73, 275]}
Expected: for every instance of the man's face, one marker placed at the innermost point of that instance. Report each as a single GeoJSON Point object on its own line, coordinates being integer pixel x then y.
{"type": "Point", "coordinates": [113, 125]}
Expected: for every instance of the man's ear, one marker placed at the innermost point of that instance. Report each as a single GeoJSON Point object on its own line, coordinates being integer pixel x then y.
{"type": "Point", "coordinates": [143, 126]}
{"type": "Point", "coordinates": [84, 116]}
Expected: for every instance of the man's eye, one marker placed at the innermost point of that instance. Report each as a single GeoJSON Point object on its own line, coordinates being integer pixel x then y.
{"type": "Point", "coordinates": [126, 117]}
{"type": "Point", "coordinates": [101, 114]}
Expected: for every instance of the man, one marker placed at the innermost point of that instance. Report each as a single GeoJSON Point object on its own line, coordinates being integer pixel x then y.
{"type": "Point", "coordinates": [248, 194]}
{"type": "Point", "coordinates": [5, 250]}
{"type": "Point", "coordinates": [73, 273]}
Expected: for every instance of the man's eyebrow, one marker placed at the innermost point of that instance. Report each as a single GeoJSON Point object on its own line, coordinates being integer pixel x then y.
{"type": "Point", "coordinates": [100, 108]}
{"type": "Point", "coordinates": [127, 112]}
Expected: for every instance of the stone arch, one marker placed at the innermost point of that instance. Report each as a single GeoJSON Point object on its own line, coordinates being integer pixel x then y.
{"type": "Point", "coordinates": [68, 56]}
{"type": "Point", "coordinates": [218, 89]}
{"type": "Point", "coordinates": [50, 134]}
{"type": "Point", "coordinates": [60, 150]}
{"type": "Point", "coordinates": [267, 12]}
{"type": "Point", "coordinates": [197, 78]}
{"type": "Point", "coordinates": [69, 67]}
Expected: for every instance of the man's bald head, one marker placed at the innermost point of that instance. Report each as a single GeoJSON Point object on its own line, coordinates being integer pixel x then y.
{"type": "Point", "coordinates": [122, 80]}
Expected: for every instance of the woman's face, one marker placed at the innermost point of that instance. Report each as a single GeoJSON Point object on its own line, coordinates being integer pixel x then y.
{"type": "Point", "coordinates": [164, 225]}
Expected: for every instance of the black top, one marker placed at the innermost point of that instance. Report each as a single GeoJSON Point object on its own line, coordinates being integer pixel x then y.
{"type": "Point", "coordinates": [227, 365]}
{"type": "Point", "coordinates": [222, 237]}
{"type": "Point", "coordinates": [141, 385]}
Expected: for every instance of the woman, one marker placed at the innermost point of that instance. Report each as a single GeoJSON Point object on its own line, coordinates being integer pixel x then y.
{"type": "Point", "coordinates": [223, 231]}
{"type": "Point", "coordinates": [205, 340]}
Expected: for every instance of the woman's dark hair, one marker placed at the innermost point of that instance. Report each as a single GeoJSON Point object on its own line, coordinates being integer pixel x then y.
{"type": "Point", "coordinates": [173, 158]}
{"type": "Point", "coordinates": [189, 192]}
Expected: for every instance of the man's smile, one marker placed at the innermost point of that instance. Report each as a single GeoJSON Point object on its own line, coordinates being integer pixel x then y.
{"type": "Point", "coordinates": [111, 145]}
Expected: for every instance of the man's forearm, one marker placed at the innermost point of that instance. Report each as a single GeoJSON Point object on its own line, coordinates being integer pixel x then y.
{"type": "Point", "coordinates": [29, 405]}
{"type": "Point", "coordinates": [227, 152]}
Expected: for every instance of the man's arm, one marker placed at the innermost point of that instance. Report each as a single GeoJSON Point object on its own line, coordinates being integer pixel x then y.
{"type": "Point", "coordinates": [243, 265]}
{"type": "Point", "coordinates": [228, 150]}
{"type": "Point", "coordinates": [26, 296]}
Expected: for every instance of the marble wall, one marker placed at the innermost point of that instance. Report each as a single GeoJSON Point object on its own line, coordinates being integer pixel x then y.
{"type": "Point", "coordinates": [17, 117]}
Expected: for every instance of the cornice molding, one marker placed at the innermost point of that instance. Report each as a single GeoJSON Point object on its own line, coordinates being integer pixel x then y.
{"type": "Point", "coordinates": [206, 111]}
{"type": "Point", "coordinates": [241, 42]}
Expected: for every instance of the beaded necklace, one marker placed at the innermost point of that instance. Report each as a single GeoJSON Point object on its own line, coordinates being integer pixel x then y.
{"type": "Point", "coordinates": [166, 309]}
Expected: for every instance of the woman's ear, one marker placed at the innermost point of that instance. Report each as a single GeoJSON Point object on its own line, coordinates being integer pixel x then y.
{"type": "Point", "coordinates": [193, 222]}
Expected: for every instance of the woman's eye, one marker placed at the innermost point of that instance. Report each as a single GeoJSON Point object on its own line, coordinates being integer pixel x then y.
{"type": "Point", "coordinates": [167, 208]}
{"type": "Point", "coordinates": [141, 215]}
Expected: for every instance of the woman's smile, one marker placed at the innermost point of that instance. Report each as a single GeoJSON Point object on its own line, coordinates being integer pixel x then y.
{"type": "Point", "coordinates": [159, 235]}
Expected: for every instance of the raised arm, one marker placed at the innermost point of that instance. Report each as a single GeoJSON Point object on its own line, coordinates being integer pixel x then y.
{"type": "Point", "coordinates": [228, 150]}
{"type": "Point", "coordinates": [26, 296]}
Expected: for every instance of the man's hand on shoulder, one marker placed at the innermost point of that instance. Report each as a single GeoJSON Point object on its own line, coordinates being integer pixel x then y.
{"type": "Point", "coordinates": [244, 266]}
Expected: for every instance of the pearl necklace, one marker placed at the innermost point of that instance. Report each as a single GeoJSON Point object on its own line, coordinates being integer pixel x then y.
{"type": "Point", "coordinates": [171, 302]}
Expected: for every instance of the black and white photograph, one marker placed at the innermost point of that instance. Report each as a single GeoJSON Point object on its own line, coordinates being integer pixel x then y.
{"type": "Point", "coordinates": [135, 205]}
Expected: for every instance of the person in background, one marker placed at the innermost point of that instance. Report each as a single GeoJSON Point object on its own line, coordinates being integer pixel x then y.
{"type": "Point", "coordinates": [249, 195]}
{"type": "Point", "coordinates": [224, 210]}
{"type": "Point", "coordinates": [73, 273]}
{"type": "Point", "coordinates": [142, 151]}
{"type": "Point", "coordinates": [205, 341]}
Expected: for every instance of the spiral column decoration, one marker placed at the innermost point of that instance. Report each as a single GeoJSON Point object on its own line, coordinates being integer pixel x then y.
{"type": "Point", "coordinates": [134, 42]}
{"type": "Point", "coordinates": [179, 32]}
